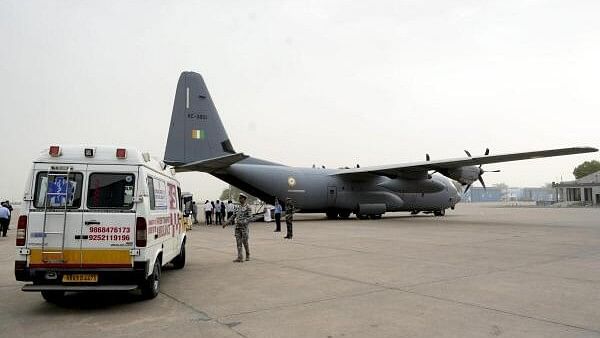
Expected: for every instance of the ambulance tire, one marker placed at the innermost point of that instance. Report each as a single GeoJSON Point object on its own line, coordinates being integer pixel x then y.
{"type": "Point", "coordinates": [52, 296]}
{"type": "Point", "coordinates": [179, 261]}
{"type": "Point", "coordinates": [151, 286]}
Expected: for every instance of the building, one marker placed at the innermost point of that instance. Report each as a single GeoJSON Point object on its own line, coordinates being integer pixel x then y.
{"type": "Point", "coordinates": [532, 194]}
{"type": "Point", "coordinates": [478, 194]}
{"type": "Point", "coordinates": [585, 191]}
{"type": "Point", "coordinates": [495, 194]}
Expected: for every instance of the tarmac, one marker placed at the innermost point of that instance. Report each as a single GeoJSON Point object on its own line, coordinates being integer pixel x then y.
{"type": "Point", "coordinates": [480, 271]}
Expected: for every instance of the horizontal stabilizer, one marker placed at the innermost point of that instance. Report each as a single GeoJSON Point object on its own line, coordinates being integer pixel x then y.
{"type": "Point", "coordinates": [212, 164]}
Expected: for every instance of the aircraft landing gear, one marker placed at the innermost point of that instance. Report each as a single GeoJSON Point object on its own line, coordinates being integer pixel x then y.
{"type": "Point", "coordinates": [332, 214]}
{"type": "Point", "coordinates": [344, 214]}
{"type": "Point", "coordinates": [414, 212]}
{"type": "Point", "coordinates": [440, 212]}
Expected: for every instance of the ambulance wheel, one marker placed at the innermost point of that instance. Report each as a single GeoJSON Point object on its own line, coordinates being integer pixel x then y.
{"type": "Point", "coordinates": [52, 296]}
{"type": "Point", "coordinates": [151, 286]}
{"type": "Point", "coordinates": [179, 261]}
{"type": "Point", "coordinates": [332, 214]}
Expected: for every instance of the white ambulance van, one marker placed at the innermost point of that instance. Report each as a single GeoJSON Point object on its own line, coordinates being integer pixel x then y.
{"type": "Point", "coordinates": [98, 218]}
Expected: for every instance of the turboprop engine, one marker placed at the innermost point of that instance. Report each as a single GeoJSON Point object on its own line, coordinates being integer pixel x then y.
{"type": "Point", "coordinates": [465, 175]}
{"type": "Point", "coordinates": [468, 174]}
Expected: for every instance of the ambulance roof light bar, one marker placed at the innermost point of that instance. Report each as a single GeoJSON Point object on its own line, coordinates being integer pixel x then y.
{"type": "Point", "coordinates": [121, 153]}
{"type": "Point", "coordinates": [54, 151]}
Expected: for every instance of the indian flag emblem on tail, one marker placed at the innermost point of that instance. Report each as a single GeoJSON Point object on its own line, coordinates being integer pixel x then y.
{"type": "Point", "coordinates": [198, 134]}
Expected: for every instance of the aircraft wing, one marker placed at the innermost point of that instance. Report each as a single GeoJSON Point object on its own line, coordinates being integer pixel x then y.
{"type": "Point", "coordinates": [409, 169]}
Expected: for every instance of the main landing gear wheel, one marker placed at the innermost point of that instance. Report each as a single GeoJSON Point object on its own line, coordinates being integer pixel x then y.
{"type": "Point", "coordinates": [344, 214]}
{"type": "Point", "coordinates": [151, 286]}
{"type": "Point", "coordinates": [440, 212]}
{"type": "Point", "coordinates": [332, 214]}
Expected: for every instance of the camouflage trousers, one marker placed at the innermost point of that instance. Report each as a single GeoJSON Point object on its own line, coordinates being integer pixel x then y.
{"type": "Point", "coordinates": [241, 238]}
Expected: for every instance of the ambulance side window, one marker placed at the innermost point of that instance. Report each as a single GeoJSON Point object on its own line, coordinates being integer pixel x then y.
{"type": "Point", "coordinates": [58, 190]}
{"type": "Point", "coordinates": [160, 194]}
{"type": "Point", "coordinates": [110, 191]}
{"type": "Point", "coordinates": [150, 181]}
{"type": "Point", "coordinates": [179, 199]}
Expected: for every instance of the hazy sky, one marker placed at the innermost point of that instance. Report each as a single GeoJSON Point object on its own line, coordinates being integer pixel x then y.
{"type": "Point", "coordinates": [302, 82]}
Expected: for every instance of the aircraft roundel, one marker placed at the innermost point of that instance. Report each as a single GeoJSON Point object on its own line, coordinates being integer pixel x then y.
{"type": "Point", "coordinates": [291, 182]}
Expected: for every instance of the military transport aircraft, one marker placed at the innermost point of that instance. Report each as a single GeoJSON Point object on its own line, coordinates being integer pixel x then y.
{"type": "Point", "coordinates": [198, 141]}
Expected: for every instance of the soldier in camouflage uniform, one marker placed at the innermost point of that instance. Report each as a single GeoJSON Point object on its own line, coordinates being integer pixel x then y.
{"type": "Point", "coordinates": [289, 217]}
{"type": "Point", "coordinates": [241, 217]}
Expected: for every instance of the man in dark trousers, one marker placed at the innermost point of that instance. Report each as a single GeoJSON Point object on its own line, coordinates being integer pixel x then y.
{"type": "Point", "coordinates": [218, 213]}
{"type": "Point", "coordinates": [10, 208]}
{"type": "Point", "coordinates": [289, 217]}
{"type": "Point", "coordinates": [4, 218]}
{"type": "Point", "coordinates": [277, 216]}
{"type": "Point", "coordinates": [241, 218]}
{"type": "Point", "coordinates": [223, 212]}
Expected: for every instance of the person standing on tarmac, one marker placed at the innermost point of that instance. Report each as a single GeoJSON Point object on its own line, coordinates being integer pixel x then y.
{"type": "Point", "coordinates": [10, 208]}
{"type": "Point", "coordinates": [4, 218]}
{"type": "Point", "coordinates": [277, 216]}
{"type": "Point", "coordinates": [194, 212]}
{"type": "Point", "coordinates": [289, 217]}
{"type": "Point", "coordinates": [230, 208]}
{"type": "Point", "coordinates": [208, 212]}
{"type": "Point", "coordinates": [223, 213]}
{"type": "Point", "coordinates": [241, 216]}
{"type": "Point", "coordinates": [218, 213]}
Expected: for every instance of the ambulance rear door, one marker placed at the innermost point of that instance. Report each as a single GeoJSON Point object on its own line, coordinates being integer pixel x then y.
{"type": "Point", "coordinates": [56, 215]}
{"type": "Point", "coordinates": [109, 221]}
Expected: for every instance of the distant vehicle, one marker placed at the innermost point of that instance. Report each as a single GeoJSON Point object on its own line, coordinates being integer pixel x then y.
{"type": "Point", "coordinates": [98, 218]}
{"type": "Point", "coordinates": [198, 142]}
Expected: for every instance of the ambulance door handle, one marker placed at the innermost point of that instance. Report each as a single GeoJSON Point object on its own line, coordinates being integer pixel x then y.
{"type": "Point", "coordinates": [92, 223]}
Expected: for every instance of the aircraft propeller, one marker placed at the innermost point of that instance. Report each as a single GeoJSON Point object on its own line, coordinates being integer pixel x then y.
{"type": "Point", "coordinates": [481, 171]}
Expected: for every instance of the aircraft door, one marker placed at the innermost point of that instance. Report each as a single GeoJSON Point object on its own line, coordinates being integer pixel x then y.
{"type": "Point", "coordinates": [331, 195]}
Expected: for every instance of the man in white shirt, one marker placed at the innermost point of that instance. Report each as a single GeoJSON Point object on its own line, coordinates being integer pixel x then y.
{"type": "Point", "coordinates": [208, 212]}
{"type": "Point", "coordinates": [229, 208]}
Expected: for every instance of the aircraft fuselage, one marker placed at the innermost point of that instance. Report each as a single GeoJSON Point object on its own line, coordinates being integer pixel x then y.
{"type": "Point", "coordinates": [317, 190]}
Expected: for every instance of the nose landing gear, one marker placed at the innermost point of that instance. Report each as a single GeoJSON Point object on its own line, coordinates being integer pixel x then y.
{"type": "Point", "coordinates": [439, 212]}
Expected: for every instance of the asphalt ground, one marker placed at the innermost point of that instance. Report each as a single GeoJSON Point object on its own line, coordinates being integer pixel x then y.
{"type": "Point", "coordinates": [479, 271]}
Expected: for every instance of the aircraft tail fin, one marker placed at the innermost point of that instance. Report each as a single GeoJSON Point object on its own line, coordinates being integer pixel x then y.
{"type": "Point", "coordinates": [196, 132]}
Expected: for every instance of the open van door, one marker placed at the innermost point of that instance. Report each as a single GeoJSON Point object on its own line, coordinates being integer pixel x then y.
{"type": "Point", "coordinates": [108, 231]}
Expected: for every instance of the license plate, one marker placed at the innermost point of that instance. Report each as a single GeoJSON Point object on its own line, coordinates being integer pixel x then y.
{"type": "Point", "coordinates": [80, 278]}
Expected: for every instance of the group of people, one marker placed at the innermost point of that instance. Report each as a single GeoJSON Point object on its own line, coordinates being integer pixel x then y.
{"type": "Point", "coordinates": [242, 216]}
{"type": "Point", "coordinates": [214, 211]}
{"type": "Point", "coordinates": [5, 213]}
